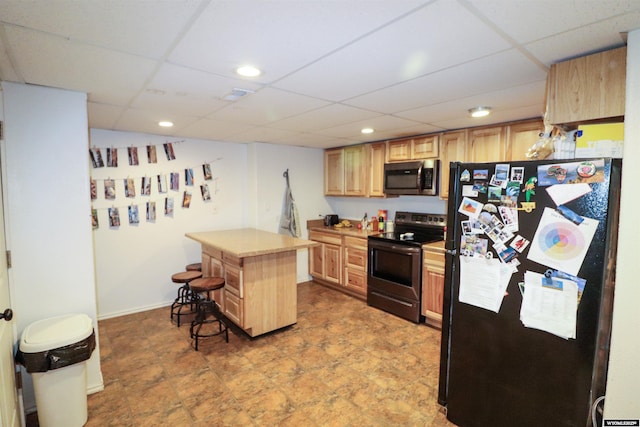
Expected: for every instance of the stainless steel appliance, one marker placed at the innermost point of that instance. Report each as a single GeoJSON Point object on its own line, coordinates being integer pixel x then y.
{"type": "Point", "coordinates": [417, 178]}
{"type": "Point", "coordinates": [330, 220]}
{"type": "Point", "coordinates": [394, 279]}
{"type": "Point", "coordinates": [531, 347]}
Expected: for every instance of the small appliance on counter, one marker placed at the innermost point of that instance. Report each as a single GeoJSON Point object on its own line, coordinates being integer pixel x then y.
{"type": "Point", "coordinates": [331, 220]}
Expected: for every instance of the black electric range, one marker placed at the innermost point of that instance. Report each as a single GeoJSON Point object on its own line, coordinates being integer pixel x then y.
{"type": "Point", "coordinates": [394, 268]}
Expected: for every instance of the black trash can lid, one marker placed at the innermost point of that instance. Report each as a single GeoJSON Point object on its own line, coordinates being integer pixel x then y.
{"type": "Point", "coordinates": [54, 332]}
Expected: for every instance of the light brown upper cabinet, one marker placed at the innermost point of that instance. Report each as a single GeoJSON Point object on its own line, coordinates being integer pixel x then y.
{"type": "Point", "coordinates": [487, 144]}
{"type": "Point", "coordinates": [452, 148]}
{"type": "Point", "coordinates": [522, 136]}
{"type": "Point", "coordinates": [377, 152]}
{"type": "Point", "coordinates": [423, 147]}
{"type": "Point", "coordinates": [355, 170]}
{"type": "Point", "coordinates": [334, 172]}
{"type": "Point", "coordinates": [587, 88]}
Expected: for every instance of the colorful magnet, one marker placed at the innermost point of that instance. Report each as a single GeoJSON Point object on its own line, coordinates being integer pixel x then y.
{"type": "Point", "coordinates": [586, 169]}
{"type": "Point", "coordinates": [528, 207]}
{"type": "Point", "coordinates": [465, 176]}
{"type": "Point", "coordinates": [530, 188]}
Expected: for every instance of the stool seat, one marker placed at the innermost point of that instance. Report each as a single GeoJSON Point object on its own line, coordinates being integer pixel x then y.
{"type": "Point", "coordinates": [197, 266]}
{"type": "Point", "coordinates": [185, 276]}
{"type": "Point", "coordinates": [207, 310]}
{"type": "Point", "coordinates": [206, 284]}
{"type": "Point", "coordinates": [185, 298]}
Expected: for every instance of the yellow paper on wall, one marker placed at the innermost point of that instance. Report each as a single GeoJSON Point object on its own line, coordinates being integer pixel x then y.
{"type": "Point", "coordinates": [601, 140]}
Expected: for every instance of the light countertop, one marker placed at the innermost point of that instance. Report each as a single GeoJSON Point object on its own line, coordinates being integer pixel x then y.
{"type": "Point", "coordinates": [246, 242]}
{"type": "Point", "coordinates": [344, 231]}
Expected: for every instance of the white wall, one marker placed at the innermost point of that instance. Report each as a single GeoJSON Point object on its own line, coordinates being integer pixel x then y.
{"type": "Point", "coordinates": [134, 263]}
{"type": "Point", "coordinates": [47, 216]}
{"type": "Point", "coordinates": [356, 208]}
{"type": "Point", "coordinates": [623, 385]}
{"type": "Point", "coordinates": [268, 163]}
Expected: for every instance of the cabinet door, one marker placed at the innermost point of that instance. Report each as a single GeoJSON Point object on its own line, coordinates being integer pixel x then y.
{"type": "Point", "coordinates": [433, 287]}
{"type": "Point", "coordinates": [452, 149]}
{"type": "Point", "coordinates": [316, 261]}
{"type": "Point", "coordinates": [377, 154]}
{"type": "Point", "coordinates": [333, 263]}
{"type": "Point", "coordinates": [399, 150]}
{"type": "Point", "coordinates": [234, 308]}
{"type": "Point", "coordinates": [425, 147]}
{"type": "Point", "coordinates": [587, 88]}
{"type": "Point", "coordinates": [521, 137]}
{"type": "Point", "coordinates": [355, 171]}
{"type": "Point", "coordinates": [487, 145]}
{"type": "Point", "coordinates": [333, 172]}
{"type": "Point", "coordinates": [356, 280]}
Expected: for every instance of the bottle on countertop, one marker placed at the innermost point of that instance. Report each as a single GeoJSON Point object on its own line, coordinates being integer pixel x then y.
{"type": "Point", "coordinates": [374, 223]}
{"type": "Point", "coordinates": [381, 224]}
{"type": "Point", "coordinates": [365, 222]}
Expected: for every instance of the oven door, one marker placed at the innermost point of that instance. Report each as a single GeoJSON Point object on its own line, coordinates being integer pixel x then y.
{"type": "Point", "coordinates": [394, 269]}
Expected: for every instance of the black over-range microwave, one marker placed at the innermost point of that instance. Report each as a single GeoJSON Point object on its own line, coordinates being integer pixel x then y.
{"type": "Point", "coordinates": [418, 177]}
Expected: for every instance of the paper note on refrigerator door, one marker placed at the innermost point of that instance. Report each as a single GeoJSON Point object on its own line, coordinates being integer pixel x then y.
{"type": "Point", "coordinates": [550, 308]}
{"type": "Point", "coordinates": [561, 244]}
{"type": "Point", "coordinates": [483, 282]}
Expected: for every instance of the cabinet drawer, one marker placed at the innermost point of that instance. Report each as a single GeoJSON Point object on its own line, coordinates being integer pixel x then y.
{"type": "Point", "coordinates": [231, 259]}
{"type": "Point", "coordinates": [356, 280]}
{"type": "Point", "coordinates": [334, 239]}
{"type": "Point", "coordinates": [433, 258]}
{"type": "Point", "coordinates": [356, 258]}
{"type": "Point", "coordinates": [355, 242]}
{"type": "Point", "coordinates": [233, 280]}
{"type": "Point", "coordinates": [233, 308]}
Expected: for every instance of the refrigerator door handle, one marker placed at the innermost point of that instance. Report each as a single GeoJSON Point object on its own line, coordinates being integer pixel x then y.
{"type": "Point", "coordinates": [453, 252]}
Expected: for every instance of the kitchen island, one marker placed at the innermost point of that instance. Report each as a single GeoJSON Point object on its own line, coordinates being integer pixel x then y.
{"type": "Point", "coordinates": [259, 268]}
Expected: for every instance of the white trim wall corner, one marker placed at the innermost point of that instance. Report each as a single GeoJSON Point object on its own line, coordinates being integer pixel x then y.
{"type": "Point", "coordinates": [623, 381]}
{"type": "Point", "coordinates": [47, 216]}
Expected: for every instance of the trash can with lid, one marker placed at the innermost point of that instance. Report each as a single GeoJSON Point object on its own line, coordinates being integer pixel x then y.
{"type": "Point", "coordinates": [54, 352]}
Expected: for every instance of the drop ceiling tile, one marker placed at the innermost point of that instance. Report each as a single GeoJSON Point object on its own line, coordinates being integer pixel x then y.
{"type": "Point", "coordinates": [177, 104]}
{"type": "Point", "coordinates": [134, 120]}
{"type": "Point", "coordinates": [379, 124]}
{"type": "Point", "coordinates": [421, 43]}
{"type": "Point", "coordinates": [527, 21]}
{"type": "Point", "coordinates": [279, 37]}
{"type": "Point", "coordinates": [266, 106]}
{"type": "Point", "coordinates": [212, 129]}
{"type": "Point", "coordinates": [143, 28]}
{"type": "Point", "coordinates": [502, 70]}
{"type": "Point", "coordinates": [103, 116]}
{"type": "Point", "coordinates": [456, 111]}
{"type": "Point", "coordinates": [581, 41]}
{"type": "Point", "coordinates": [171, 78]}
{"type": "Point", "coordinates": [107, 76]}
{"type": "Point", "coordinates": [331, 115]}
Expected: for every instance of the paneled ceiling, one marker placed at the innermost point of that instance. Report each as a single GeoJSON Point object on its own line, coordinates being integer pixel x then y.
{"type": "Point", "coordinates": [330, 68]}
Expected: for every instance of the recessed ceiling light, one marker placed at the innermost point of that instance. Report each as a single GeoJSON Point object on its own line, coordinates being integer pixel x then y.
{"type": "Point", "coordinates": [480, 111]}
{"type": "Point", "coordinates": [367, 130]}
{"type": "Point", "coordinates": [165, 124]}
{"type": "Point", "coordinates": [248, 71]}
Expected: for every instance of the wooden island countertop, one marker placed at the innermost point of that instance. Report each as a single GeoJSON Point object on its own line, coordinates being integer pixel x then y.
{"type": "Point", "coordinates": [259, 269]}
{"type": "Point", "coordinates": [246, 242]}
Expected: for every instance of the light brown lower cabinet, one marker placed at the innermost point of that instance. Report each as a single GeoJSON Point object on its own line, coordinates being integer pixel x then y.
{"type": "Point", "coordinates": [432, 285]}
{"type": "Point", "coordinates": [340, 262]}
{"type": "Point", "coordinates": [260, 292]}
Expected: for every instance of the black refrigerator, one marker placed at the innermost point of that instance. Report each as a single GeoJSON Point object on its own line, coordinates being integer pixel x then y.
{"type": "Point", "coordinates": [529, 278]}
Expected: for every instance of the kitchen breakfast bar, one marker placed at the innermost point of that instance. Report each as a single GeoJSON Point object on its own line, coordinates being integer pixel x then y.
{"type": "Point", "coordinates": [259, 268]}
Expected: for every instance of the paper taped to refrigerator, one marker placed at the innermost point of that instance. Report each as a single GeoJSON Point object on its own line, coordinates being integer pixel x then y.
{"type": "Point", "coordinates": [550, 308]}
{"type": "Point", "coordinates": [483, 282]}
{"type": "Point", "coordinates": [559, 243]}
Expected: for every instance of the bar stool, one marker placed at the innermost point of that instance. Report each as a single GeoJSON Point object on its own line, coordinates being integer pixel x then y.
{"type": "Point", "coordinates": [207, 306]}
{"type": "Point", "coordinates": [185, 296]}
{"type": "Point", "coordinates": [196, 266]}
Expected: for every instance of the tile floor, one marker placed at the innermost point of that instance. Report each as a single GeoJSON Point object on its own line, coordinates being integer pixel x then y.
{"type": "Point", "coordinates": [342, 364]}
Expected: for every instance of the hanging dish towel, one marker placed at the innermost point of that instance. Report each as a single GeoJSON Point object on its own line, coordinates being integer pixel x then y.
{"type": "Point", "coordinates": [289, 220]}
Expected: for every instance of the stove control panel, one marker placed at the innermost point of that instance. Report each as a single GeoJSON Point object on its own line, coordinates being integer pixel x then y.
{"type": "Point", "coordinates": [421, 219]}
